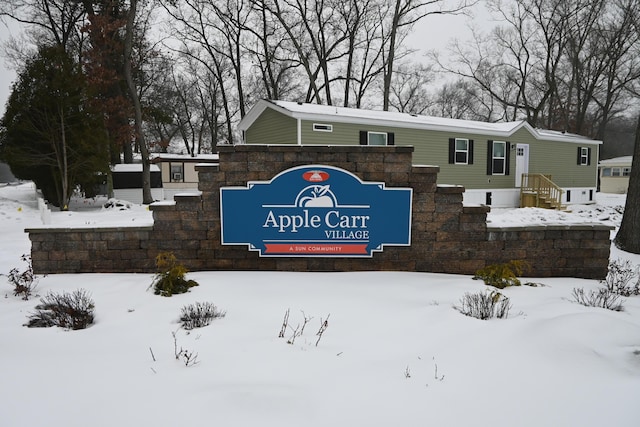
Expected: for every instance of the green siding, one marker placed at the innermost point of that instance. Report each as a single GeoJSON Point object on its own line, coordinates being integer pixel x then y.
{"type": "Point", "coordinates": [272, 127]}
{"type": "Point", "coordinates": [558, 159]}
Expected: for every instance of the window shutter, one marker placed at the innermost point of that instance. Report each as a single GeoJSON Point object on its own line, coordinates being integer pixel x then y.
{"type": "Point", "coordinates": [579, 156]}
{"type": "Point", "coordinates": [489, 157]}
{"type": "Point", "coordinates": [452, 150]}
{"type": "Point", "coordinates": [364, 140]}
{"type": "Point", "coordinates": [589, 156]}
{"type": "Point", "coordinates": [391, 138]}
{"type": "Point", "coordinates": [507, 157]}
{"type": "Point", "coordinates": [470, 153]}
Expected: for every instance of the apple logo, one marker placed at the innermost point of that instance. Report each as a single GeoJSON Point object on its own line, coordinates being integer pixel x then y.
{"type": "Point", "coordinates": [316, 196]}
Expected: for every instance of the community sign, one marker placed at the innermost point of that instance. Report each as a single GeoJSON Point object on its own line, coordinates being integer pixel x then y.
{"type": "Point", "coordinates": [316, 211]}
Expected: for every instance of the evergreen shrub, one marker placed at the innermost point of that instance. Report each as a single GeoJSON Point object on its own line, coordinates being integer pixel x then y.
{"type": "Point", "coordinates": [170, 277]}
{"type": "Point", "coordinates": [502, 275]}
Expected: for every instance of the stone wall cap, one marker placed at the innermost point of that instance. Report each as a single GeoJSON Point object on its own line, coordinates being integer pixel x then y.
{"type": "Point", "coordinates": [164, 205]}
{"type": "Point", "coordinates": [551, 227]}
{"type": "Point", "coordinates": [80, 229]}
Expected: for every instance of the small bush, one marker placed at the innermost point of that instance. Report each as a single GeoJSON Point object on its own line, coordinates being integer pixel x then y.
{"type": "Point", "coordinates": [199, 315]}
{"type": "Point", "coordinates": [485, 305]}
{"type": "Point", "coordinates": [170, 278]}
{"type": "Point", "coordinates": [67, 310]}
{"type": "Point", "coordinates": [502, 275]}
{"type": "Point", "coordinates": [602, 298]}
{"type": "Point", "coordinates": [24, 283]}
{"type": "Point", "coordinates": [622, 279]}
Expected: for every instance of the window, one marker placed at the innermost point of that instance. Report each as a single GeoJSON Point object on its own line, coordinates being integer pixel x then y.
{"type": "Point", "coordinates": [376, 138]}
{"type": "Point", "coordinates": [177, 172]}
{"type": "Point", "coordinates": [321, 127]}
{"type": "Point", "coordinates": [616, 171]}
{"type": "Point", "coordinates": [460, 151]}
{"type": "Point", "coordinates": [498, 158]}
{"type": "Point", "coordinates": [584, 156]}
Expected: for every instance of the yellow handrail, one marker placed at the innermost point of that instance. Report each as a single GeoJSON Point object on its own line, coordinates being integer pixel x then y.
{"type": "Point", "coordinates": [539, 189]}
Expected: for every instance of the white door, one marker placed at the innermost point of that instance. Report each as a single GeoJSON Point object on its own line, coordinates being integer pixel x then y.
{"type": "Point", "coordinates": [522, 162]}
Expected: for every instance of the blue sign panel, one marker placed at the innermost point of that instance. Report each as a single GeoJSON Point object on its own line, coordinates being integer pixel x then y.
{"type": "Point", "coordinates": [316, 211]}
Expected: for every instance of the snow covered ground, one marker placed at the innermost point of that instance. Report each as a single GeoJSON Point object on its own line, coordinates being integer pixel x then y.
{"type": "Point", "coordinates": [396, 352]}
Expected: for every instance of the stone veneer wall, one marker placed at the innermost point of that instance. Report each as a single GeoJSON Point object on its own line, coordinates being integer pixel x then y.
{"type": "Point", "coordinates": [446, 236]}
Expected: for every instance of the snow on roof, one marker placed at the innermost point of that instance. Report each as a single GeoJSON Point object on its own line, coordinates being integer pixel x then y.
{"type": "Point", "coordinates": [617, 161]}
{"type": "Point", "coordinates": [307, 111]}
{"type": "Point", "coordinates": [203, 158]}
{"type": "Point", "coordinates": [392, 116]}
{"type": "Point", "coordinates": [557, 135]}
{"type": "Point", "coordinates": [132, 167]}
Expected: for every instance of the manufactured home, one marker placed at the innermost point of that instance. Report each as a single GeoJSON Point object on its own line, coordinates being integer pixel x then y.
{"type": "Point", "coordinates": [127, 182]}
{"type": "Point", "coordinates": [614, 174]}
{"type": "Point", "coordinates": [500, 164]}
{"type": "Point", "coordinates": [178, 171]}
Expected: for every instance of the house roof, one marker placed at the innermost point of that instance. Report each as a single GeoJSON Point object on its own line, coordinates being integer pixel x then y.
{"type": "Point", "coordinates": [132, 167]}
{"type": "Point", "coordinates": [304, 111]}
{"type": "Point", "coordinates": [617, 161]}
{"type": "Point", "coordinates": [187, 158]}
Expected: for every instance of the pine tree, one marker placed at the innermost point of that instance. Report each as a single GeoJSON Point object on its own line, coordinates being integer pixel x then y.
{"type": "Point", "coordinates": [49, 135]}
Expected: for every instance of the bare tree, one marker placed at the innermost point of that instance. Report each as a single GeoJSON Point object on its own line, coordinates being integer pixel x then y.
{"type": "Point", "coordinates": [50, 22]}
{"type": "Point", "coordinates": [266, 48]}
{"type": "Point", "coordinates": [561, 64]}
{"type": "Point", "coordinates": [363, 62]}
{"type": "Point", "coordinates": [461, 100]}
{"type": "Point", "coordinates": [402, 15]}
{"type": "Point", "coordinates": [409, 89]}
{"type": "Point", "coordinates": [201, 37]}
{"type": "Point", "coordinates": [314, 34]}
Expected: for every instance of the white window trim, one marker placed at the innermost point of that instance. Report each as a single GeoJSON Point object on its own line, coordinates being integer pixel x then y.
{"type": "Point", "coordinates": [504, 159]}
{"type": "Point", "coordinates": [456, 151]}
{"type": "Point", "coordinates": [322, 127]}
{"type": "Point", "coordinates": [584, 156]}
{"type": "Point", "coordinates": [386, 137]}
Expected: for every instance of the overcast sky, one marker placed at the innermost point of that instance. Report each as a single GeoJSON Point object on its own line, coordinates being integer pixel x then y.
{"type": "Point", "coordinates": [7, 76]}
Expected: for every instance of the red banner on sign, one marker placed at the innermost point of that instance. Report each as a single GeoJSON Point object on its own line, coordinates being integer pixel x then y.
{"type": "Point", "coordinates": [316, 248]}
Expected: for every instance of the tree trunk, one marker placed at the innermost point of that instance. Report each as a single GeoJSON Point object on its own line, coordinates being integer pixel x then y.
{"type": "Point", "coordinates": [628, 237]}
{"type": "Point", "coordinates": [391, 54]}
{"type": "Point", "coordinates": [147, 198]}
{"type": "Point", "coordinates": [64, 167]}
